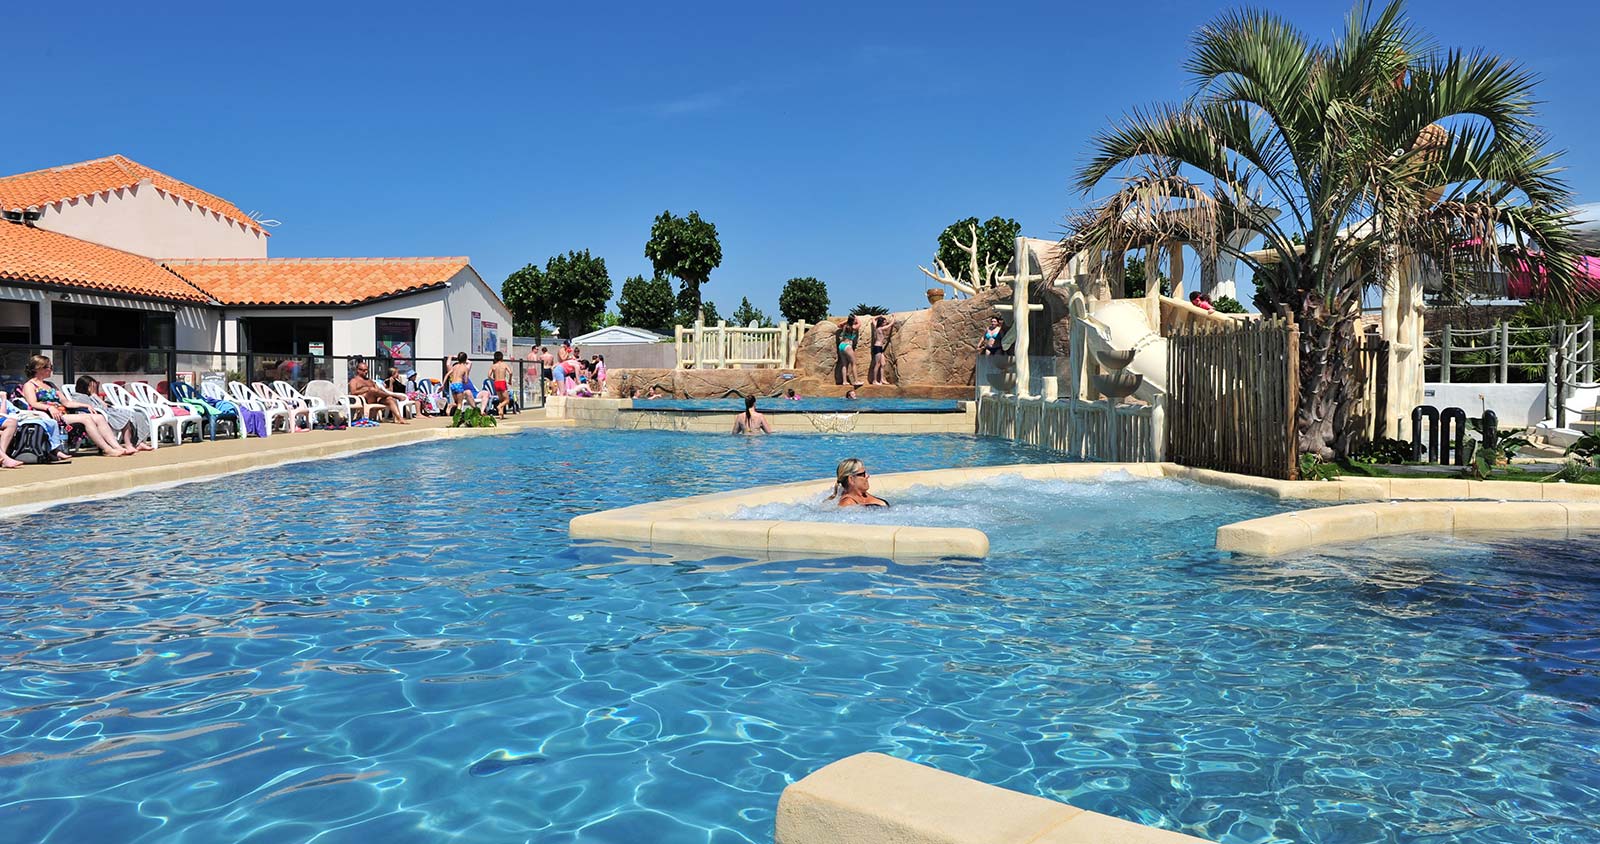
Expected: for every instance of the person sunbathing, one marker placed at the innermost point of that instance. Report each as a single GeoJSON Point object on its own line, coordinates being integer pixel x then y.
{"type": "Point", "coordinates": [372, 392]}
{"type": "Point", "coordinates": [850, 486]}
{"type": "Point", "coordinates": [42, 395]}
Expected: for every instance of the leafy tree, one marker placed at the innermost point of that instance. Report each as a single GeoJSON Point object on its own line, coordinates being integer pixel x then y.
{"type": "Point", "coordinates": [579, 288]}
{"type": "Point", "coordinates": [864, 309]}
{"type": "Point", "coordinates": [804, 299]}
{"type": "Point", "coordinates": [606, 320]}
{"type": "Point", "coordinates": [708, 309]}
{"type": "Point", "coordinates": [1133, 279]}
{"type": "Point", "coordinates": [526, 294]}
{"type": "Point", "coordinates": [1379, 149]}
{"type": "Point", "coordinates": [647, 303]}
{"type": "Point", "coordinates": [1228, 305]}
{"type": "Point", "coordinates": [746, 314]}
{"type": "Point", "coordinates": [687, 249]}
{"type": "Point", "coordinates": [997, 243]}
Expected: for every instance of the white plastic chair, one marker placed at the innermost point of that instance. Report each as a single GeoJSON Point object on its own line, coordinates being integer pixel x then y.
{"type": "Point", "coordinates": [147, 396]}
{"type": "Point", "coordinates": [270, 397]}
{"type": "Point", "coordinates": [324, 393]}
{"type": "Point", "coordinates": [160, 420]}
{"type": "Point", "coordinates": [240, 395]}
{"type": "Point", "coordinates": [318, 408]}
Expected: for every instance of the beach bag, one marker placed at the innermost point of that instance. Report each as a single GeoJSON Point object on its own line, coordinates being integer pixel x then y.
{"type": "Point", "coordinates": [31, 441]}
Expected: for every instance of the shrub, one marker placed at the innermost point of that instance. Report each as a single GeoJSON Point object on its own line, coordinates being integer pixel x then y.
{"type": "Point", "coordinates": [471, 417]}
{"type": "Point", "coordinates": [1382, 450]}
{"type": "Point", "coordinates": [1313, 468]}
{"type": "Point", "coordinates": [1228, 305]}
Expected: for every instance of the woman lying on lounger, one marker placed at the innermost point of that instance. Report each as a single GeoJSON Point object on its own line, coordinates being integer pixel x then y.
{"type": "Point", "coordinates": [132, 430]}
{"type": "Point", "coordinates": [42, 395]}
{"type": "Point", "coordinates": [851, 483]}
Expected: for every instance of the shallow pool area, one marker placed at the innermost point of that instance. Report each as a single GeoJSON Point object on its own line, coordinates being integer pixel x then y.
{"type": "Point", "coordinates": [406, 645]}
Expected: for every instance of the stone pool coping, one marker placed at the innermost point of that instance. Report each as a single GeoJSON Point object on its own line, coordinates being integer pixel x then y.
{"type": "Point", "coordinates": [870, 798]}
{"type": "Point", "coordinates": [704, 520]}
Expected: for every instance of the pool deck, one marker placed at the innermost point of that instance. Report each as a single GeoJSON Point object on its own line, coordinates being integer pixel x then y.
{"type": "Point", "coordinates": [35, 487]}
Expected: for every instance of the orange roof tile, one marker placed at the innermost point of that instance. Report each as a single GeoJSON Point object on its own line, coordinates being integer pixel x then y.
{"type": "Point", "coordinates": [313, 281]}
{"type": "Point", "coordinates": [86, 178]}
{"type": "Point", "coordinates": [45, 257]}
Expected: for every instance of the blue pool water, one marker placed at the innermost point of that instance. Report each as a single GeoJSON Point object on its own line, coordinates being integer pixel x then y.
{"type": "Point", "coordinates": [804, 405]}
{"type": "Point", "coordinates": [405, 647]}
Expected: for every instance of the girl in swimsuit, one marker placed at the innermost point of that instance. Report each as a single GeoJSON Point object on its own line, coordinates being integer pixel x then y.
{"type": "Point", "coordinates": [845, 371]}
{"type": "Point", "coordinates": [41, 395]}
{"type": "Point", "coordinates": [850, 485]}
{"type": "Point", "coordinates": [991, 338]}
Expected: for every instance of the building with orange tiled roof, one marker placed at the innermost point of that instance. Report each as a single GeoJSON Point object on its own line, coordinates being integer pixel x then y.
{"type": "Point", "coordinates": [112, 254]}
{"type": "Point", "coordinates": [123, 204]}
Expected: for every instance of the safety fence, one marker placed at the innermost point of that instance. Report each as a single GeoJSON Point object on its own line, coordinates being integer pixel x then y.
{"type": "Point", "coordinates": [1086, 430]}
{"type": "Point", "coordinates": [722, 346]}
{"type": "Point", "coordinates": [159, 367]}
{"type": "Point", "coordinates": [1511, 354]}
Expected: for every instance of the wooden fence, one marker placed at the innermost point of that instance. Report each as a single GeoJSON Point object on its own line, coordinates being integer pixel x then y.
{"type": "Point", "coordinates": [1368, 410]}
{"type": "Point", "coordinates": [1232, 391]}
{"type": "Point", "coordinates": [1087, 430]}
{"type": "Point", "coordinates": [722, 346]}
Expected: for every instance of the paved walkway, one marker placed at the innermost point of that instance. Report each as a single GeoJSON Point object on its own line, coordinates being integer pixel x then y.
{"type": "Point", "coordinates": [92, 476]}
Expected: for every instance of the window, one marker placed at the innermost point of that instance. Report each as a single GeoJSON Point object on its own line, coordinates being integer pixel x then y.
{"type": "Point", "coordinates": [397, 345]}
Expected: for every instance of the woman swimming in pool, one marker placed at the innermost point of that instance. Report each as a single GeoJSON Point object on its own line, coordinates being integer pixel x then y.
{"type": "Point", "coordinates": [850, 485]}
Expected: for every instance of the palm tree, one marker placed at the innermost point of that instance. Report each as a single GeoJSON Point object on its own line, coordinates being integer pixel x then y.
{"type": "Point", "coordinates": [1358, 162]}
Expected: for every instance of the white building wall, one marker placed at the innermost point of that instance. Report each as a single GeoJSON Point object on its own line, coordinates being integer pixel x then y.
{"type": "Point", "coordinates": [144, 221]}
{"type": "Point", "coordinates": [467, 293]}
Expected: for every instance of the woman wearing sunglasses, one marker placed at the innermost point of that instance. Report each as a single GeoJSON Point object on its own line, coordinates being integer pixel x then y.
{"type": "Point", "coordinates": [851, 483]}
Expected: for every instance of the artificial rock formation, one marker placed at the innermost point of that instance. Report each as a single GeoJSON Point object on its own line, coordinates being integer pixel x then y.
{"type": "Point", "coordinates": [937, 345]}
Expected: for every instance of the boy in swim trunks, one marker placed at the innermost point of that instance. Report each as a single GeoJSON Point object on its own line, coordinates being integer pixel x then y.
{"type": "Point", "coordinates": [457, 381]}
{"type": "Point", "coordinates": [500, 377]}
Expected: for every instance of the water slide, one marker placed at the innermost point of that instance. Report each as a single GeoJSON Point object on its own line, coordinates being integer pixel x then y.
{"type": "Point", "coordinates": [1121, 325]}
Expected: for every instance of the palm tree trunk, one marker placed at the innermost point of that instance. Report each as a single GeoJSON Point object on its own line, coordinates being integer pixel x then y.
{"type": "Point", "coordinates": [1327, 381]}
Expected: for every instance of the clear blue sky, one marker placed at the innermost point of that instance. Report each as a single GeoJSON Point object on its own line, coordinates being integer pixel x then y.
{"type": "Point", "coordinates": [825, 139]}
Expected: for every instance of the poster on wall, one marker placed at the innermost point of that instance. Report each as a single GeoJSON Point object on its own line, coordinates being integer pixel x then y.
{"type": "Point", "coordinates": [477, 333]}
{"type": "Point", "coordinates": [491, 337]}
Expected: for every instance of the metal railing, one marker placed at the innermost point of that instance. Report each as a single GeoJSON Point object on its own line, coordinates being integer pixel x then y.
{"type": "Point", "coordinates": [722, 346]}
{"type": "Point", "coordinates": [160, 367]}
{"type": "Point", "coordinates": [1507, 354]}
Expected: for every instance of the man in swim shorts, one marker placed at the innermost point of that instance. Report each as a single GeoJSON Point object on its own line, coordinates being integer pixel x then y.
{"type": "Point", "coordinates": [458, 382]}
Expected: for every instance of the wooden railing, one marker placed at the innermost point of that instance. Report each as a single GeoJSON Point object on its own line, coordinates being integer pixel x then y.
{"type": "Point", "coordinates": [722, 346]}
{"type": "Point", "coordinates": [1232, 392]}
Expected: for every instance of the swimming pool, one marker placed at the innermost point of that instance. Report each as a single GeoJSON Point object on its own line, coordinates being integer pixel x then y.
{"type": "Point", "coordinates": [405, 645]}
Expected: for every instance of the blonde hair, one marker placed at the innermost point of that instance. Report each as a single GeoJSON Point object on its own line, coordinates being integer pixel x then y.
{"type": "Point", "coordinates": [36, 363]}
{"type": "Point", "coordinates": [847, 467]}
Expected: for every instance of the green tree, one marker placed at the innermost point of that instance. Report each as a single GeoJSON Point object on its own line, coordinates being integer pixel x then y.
{"type": "Point", "coordinates": [647, 303]}
{"type": "Point", "coordinates": [708, 310]}
{"type": "Point", "coordinates": [579, 288]}
{"type": "Point", "coordinates": [526, 294]}
{"type": "Point", "coordinates": [747, 313]}
{"type": "Point", "coordinates": [1378, 149]}
{"type": "Point", "coordinates": [1133, 279]}
{"type": "Point", "coordinates": [997, 243]}
{"type": "Point", "coordinates": [805, 299]}
{"type": "Point", "coordinates": [687, 249]}
{"type": "Point", "coordinates": [865, 309]}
